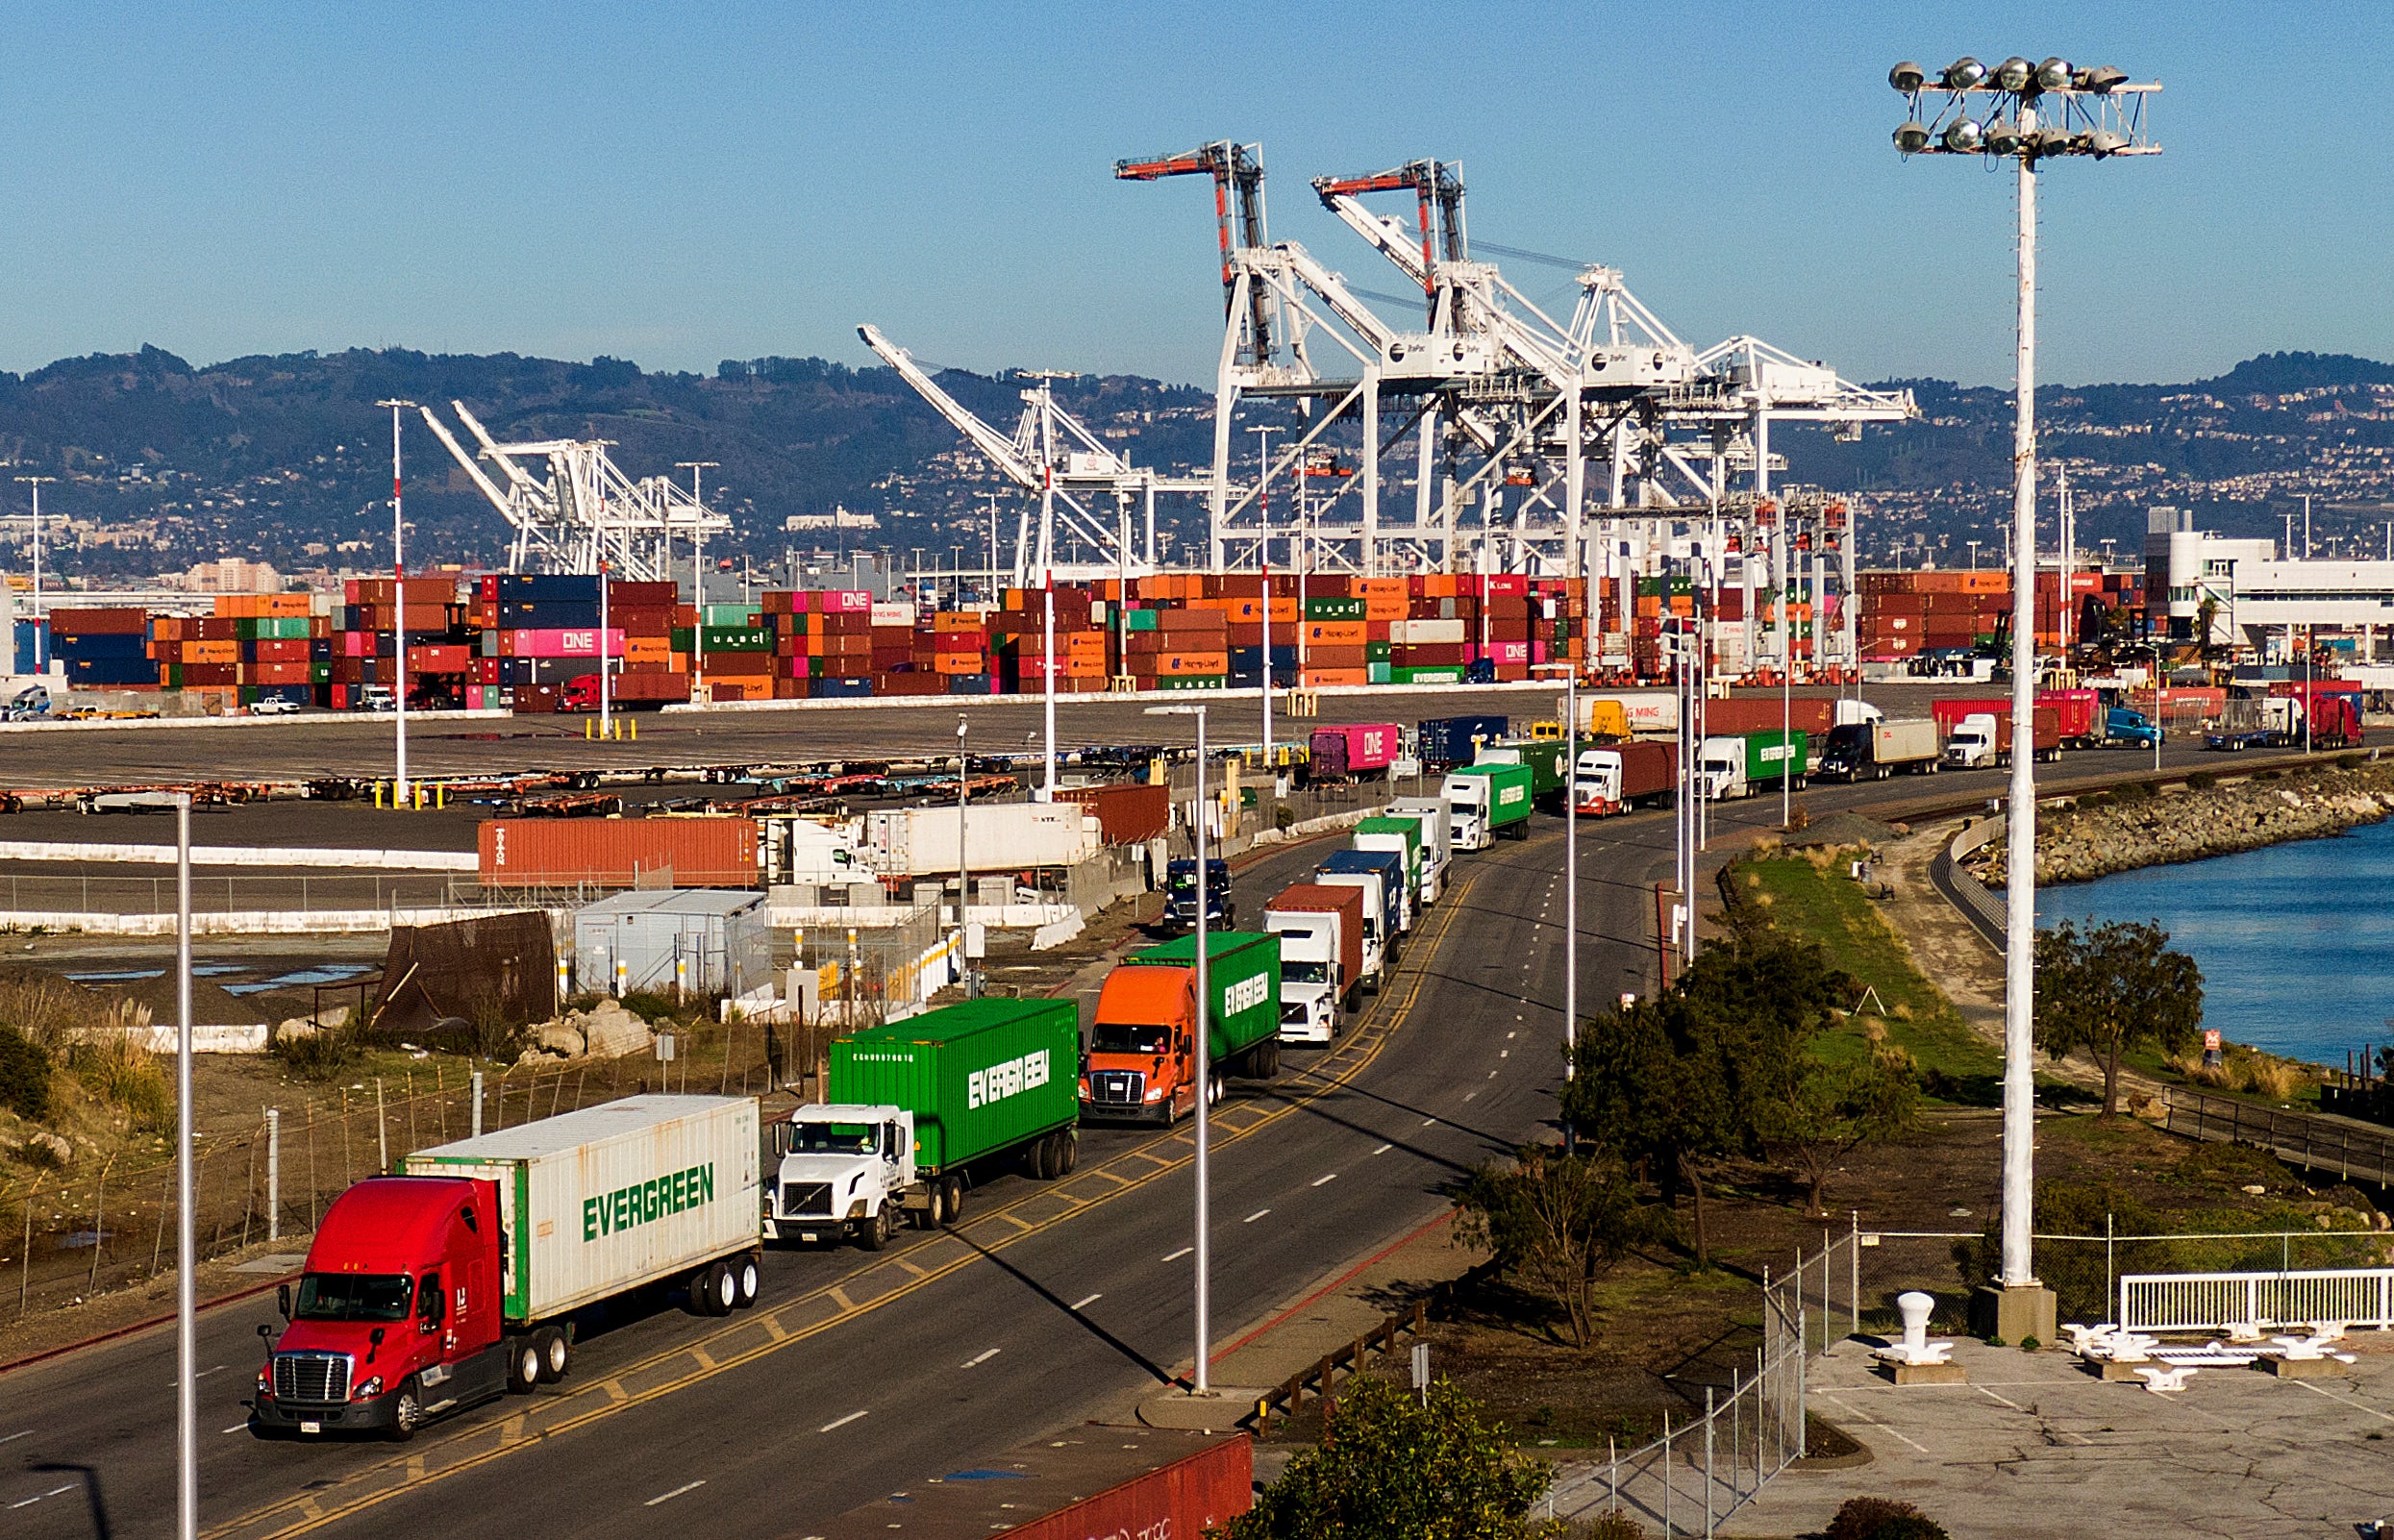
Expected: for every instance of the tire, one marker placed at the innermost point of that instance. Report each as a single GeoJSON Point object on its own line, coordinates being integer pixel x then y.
{"type": "Point", "coordinates": [1267, 1059]}
{"type": "Point", "coordinates": [406, 1414]}
{"type": "Point", "coordinates": [556, 1351]}
{"type": "Point", "coordinates": [711, 1290]}
{"type": "Point", "coordinates": [1072, 1150]}
{"type": "Point", "coordinates": [1040, 1160]}
{"type": "Point", "coordinates": [952, 1198]}
{"type": "Point", "coordinates": [749, 1276]}
{"type": "Point", "coordinates": [523, 1366]}
{"type": "Point", "coordinates": [876, 1231]}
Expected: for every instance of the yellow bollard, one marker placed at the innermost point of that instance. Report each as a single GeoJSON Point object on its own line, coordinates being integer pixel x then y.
{"type": "Point", "coordinates": [440, 795]}
{"type": "Point", "coordinates": [415, 797]}
{"type": "Point", "coordinates": [636, 727]}
{"type": "Point", "coordinates": [587, 731]}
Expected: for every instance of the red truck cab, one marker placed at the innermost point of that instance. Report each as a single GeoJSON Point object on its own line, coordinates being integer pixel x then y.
{"type": "Point", "coordinates": [396, 1319]}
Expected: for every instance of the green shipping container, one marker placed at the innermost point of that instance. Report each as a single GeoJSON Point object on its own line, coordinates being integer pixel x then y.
{"type": "Point", "coordinates": [979, 1077]}
{"type": "Point", "coordinates": [1509, 792]}
{"type": "Point", "coordinates": [737, 616]}
{"type": "Point", "coordinates": [1192, 682]}
{"type": "Point", "coordinates": [1543, 756]}
{"type": "Point", "coordinates": [1376, 651]}
{"type": "Point", "coordinates": [1426, 676]}
{"type": "Point", "coordinates": [1139, 620]}
{"type": "Point", "coordinates": [1410, 828]}
{"type": "Point", "coordinates": [1771, 754]}
{"type": "Point", "coordinates": [1378, 673]}
{"type": "Point", "coordinates": [1334, 609]}
{"type": "Point", "coordinates": [1243, 969]}
{"type": "Point", "coordinates": [271, 628]}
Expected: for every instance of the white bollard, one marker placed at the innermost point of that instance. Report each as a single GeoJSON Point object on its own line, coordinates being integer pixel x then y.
{"type": "Point", "coordinates": [1916, 1307]}
{"type": "Point", "coordinates": [274, 1173]}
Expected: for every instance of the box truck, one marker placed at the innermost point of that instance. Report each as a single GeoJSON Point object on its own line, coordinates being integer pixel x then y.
{"type": "Point", "coordinates": [917, 1109]}
{"type": "Point", "coordinates": [1401, 837]}
{"type": "Point", "coordinates": [1740, 766]}
{"type": "Point", "coordinates": [1490, 800]}
{"type": "Point", "coordinates": [1141, 1064]}
{"type": "Point", "coordinates": [449, 1285]}
{"type": "Point", "coordinates": [1621, 776]}
{"type": "Point", "coordinates": [1438, 833]}
{"type": "Point", "coordinates": [1005, 837]}
{"type": "Point", "coordinates": [1873, 751]}
{"type": "Point", "coordinates": [1321, 957]}
{"type": "Point", "coordinates": [1380, 916]}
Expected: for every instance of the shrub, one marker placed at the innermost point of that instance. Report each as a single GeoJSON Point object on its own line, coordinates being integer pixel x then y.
{"type": "Point", "coordinates": [2348, 762]}
{"type": "Point", "coordinates": [2132, 791]}
{"type": "Point", "coordinates": [2201, 779]}
{"type": "Point", "coordinates": [2268, 775]}
{"type": "Point", "coordinates": [318, 1055]}
{"type": "Point", "coordinates": [24, 1074]}
{"type": "Point", "coordinates": [1865, 1518]}
{"type": "Point", "coordinates": [1608, 1527]}
{"type": "Point", "coordinates": [124, 1073]}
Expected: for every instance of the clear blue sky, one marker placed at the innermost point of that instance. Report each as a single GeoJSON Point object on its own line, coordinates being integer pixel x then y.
{"type": "Point", "coordinates": [679, 184]}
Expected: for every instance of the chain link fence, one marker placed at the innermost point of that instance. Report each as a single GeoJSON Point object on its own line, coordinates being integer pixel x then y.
{"type": "Point", "coordinates": [76, 1233]}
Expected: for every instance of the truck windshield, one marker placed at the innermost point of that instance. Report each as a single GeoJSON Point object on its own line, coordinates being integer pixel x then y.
{"type": "Point", "coordinates": [1130, 1038]}
{"type": "Point", "coordinates": [353, 1297]}
{"type": "Point", "coordinates": [1304, 973]}
{"type": "Point", "coordinates": [831, 1138]}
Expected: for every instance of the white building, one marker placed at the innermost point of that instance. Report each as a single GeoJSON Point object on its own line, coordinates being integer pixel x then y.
{"type": "Point", "coordinates": [2259, 598]}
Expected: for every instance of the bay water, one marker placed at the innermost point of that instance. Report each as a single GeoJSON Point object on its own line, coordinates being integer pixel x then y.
{"type": "Point", "coordinates": [2296, 942]}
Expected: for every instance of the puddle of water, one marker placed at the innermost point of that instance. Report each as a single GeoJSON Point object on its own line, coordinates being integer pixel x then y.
{"type": "Point", "coordinates": [245, 988]}
{"type": "Point", "coordinates": [323, 973]}
{"type": "Point", "coordinates": [212, 970]}
{"type": "Point", "coordinates": [128, 976]}
{"type": "Point", "coordinates": [84, 1238]}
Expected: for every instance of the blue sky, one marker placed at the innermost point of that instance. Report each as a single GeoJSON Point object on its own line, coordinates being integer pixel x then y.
{"type": "Point", "coordinates": [680, 184]}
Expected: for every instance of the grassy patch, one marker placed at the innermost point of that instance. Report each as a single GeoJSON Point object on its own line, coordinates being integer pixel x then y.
{"type": "Point", "coordinates": [1819, 903]}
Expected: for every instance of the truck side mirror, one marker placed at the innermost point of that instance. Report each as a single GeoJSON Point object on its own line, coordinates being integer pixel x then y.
{"type": "Point", "coordinates": [281, 1301]}
{"type": "Point", "coordinates": [265, 1334]}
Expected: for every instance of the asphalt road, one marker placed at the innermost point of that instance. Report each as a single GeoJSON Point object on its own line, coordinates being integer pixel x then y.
{"type": "Point", "coordinates": [856, 1374]}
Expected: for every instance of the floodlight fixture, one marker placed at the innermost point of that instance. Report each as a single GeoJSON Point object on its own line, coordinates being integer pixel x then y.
{"type": "Point", "coordinates": [1913, 137]}
{"type": "Point", "coordinates": [2003, 138]}
{"type": "Point", "coordinates": [1963, 74]}
{"type": "Point", "coordinates": [1963, 136]}
{"type": "Point", "coordinates": [2013, 74]}
{"type": "Point", "coordinates": [2055, 74]}
{"type": "Point", "coordinates": [2102, 79]}
{"type": "Point", "coordinates": [1907, 77]}
{"type": "Point", "coordinates": [2105, 141]}
{"type": "Point", "coordinates": [2051, 141]}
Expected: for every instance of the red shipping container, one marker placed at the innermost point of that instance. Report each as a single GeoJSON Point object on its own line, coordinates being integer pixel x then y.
{"type": "Point", "coordinates": [1127, 811]}
{"type": "Point", "coordinates": [617, 851]}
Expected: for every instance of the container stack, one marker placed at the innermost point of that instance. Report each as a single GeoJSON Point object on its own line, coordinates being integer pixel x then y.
{"type": "Point", "coordinates": [104, 649]}
{"type": "Point", "coordinates": [1907, 614]}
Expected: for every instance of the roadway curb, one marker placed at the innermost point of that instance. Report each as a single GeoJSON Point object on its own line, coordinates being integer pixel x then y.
{"type": "Point", "coordinates": [138, 1327]}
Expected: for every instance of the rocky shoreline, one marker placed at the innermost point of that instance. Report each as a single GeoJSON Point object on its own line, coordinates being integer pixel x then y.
{"type": "Point", "coordinates": [2106, 832]}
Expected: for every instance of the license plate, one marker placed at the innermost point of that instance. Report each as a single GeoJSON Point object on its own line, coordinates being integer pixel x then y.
{"type": "Point", "coordinates": [311, 1428]}
{"type": "Point", "coordinates": [809, 1236]}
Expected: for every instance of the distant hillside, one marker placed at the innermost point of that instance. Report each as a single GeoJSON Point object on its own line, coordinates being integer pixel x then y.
{"type": "Point", "coordinates": [162, 464]}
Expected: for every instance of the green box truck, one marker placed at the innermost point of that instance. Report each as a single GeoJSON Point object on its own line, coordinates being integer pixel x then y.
{"type": "Point", "coordinates": [1402, 836]}
{"type": "Point", "coordinates": [1742, 764]}
{"type": "Point", "coordinates": [916, 1108]}
{"type": "Point", "coordinates": [1142, 1059]}
{"type": "Point", "coordinates": [1488, 800]}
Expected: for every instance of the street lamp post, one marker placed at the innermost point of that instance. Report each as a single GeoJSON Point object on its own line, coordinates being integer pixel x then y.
{"type": "Point", "coordinates": [1263, 564]}
{"type": "Point", "coordinates": [963, 867]}
{"type": "Point", "coordinates": [1202, 1051]}
{"type": "Point", "coordinates": [2031, 113]}
{"type": "Point", "coordinates": [187, 1291]}
{"type": "Point", "coordinates": [399, 612]}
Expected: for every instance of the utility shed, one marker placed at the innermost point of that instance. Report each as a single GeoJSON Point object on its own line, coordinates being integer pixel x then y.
{"type": "Point", "coordinates": [709, 941]}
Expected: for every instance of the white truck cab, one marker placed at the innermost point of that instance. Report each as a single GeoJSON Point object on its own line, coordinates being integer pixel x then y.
{"type": "Point", "coordinates": [845, 1171]}
{"type": "Point", "coordinates": [1308, 968]}
{"type": "Point", "coordinates": [1436, 823]}
{"type": "Point", "coordinates": [1467, 796]}
{"type": "Point", "coordinates": [808, 850]}
{"type": "Point", "coordinates": [1721, 768]}
{"type": "Point", "coordinates": [1976, 741]}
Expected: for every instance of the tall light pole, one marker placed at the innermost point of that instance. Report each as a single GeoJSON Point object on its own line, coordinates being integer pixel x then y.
{"type": "Point", "coordinates": [1204, 1050]}
{"type": "Point", "coordinates": [399, 611]}
{"type": "Point", "coordinates": [964, 866]}
{"type": "Point", "coordinates": [1263, 564]}
{"type": "Point", "coordinates": [186, 1290]}
{"type": "Point", "coordinates": [1995, 113]}
{"type": "Point", "coordinates": [1571, 875]}
{"type": "Point", "coordinates": [41, 633]}
{"type": "Point", "coordinates": [698, 571]}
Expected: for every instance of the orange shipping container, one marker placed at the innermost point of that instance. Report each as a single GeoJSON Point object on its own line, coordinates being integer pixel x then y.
{"type": "Point", "coordinates": [211, 652]}
{"type": "Point", "coordinates": [1181, 664]}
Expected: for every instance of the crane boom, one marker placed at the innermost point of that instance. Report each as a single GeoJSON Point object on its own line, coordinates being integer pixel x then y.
{"type": "Point", "coordinates": [1237, 172]}
{"type": "Point", "coordinates": [1002, 451]}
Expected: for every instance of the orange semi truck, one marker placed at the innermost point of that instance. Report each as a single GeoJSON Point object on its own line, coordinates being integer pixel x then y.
{"type": "Point", "coordinates": [1141, 1065]}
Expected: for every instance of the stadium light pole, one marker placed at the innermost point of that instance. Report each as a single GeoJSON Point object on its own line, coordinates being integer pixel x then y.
{"type": "Point", "coordinates": [1202, 1051]}
{"type": "Point", "coordinates": [399, 612]}
{"type": "Point", "coordinates": [698, 569]}
{"type": "Point", "coordinates": [2026, 113]}
{"type": "Point", "coordinates": [186, 1292]}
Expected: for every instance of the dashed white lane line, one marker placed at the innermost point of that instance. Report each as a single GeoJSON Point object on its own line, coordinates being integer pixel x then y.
{"type": "Point", "coordinates": [1504, 1053]}
{"type": "Point", "coordinates": [27, 1502]}
{"type": "Point", "coordinates": [983, 1356]}
{"type": "Point", "coordinates": [1468, 1095]}
{"type": "Point", "coordinates": [1183, 1252]}
{"type": "Point", "coordinates": [1383, 1149]}
{"type": "Point", "coordinates": [854, 1415]}
{"type": "Point", "coordinates": [29, 1432]}
{"type": "Point", "coordinates": [2346, 1400]}
{"type": "Point", "coordinates": [238, 1427]}
{"type": "Point", "coordinates": [1491, 1075]}
{"type": "Point", "coordinates": [1257, 1214]}
{"type": "Point", "coordinates": [687, 1486]}
{"type": "Point", "coordinates": [202, 1375]}
{"type": "Point", "coordinates": [1429, 1122]}
{"type": "Point", "coordinates": [1320, 1182]}
{"type": "Point", "coordinates": [1082, 1305]}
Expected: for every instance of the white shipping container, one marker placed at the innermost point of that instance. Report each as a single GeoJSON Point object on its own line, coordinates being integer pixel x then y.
{"type": "Point", "coordinates": [1651, 714]}
{"type": "Point", "coordinates": [1427, 631]}
{"type": "Point", "coordinates": [597, 1202]}
{"type": "Point", "coordinates": [1000, 837]}
{"type": "Point", "coordinates": [885, 614]}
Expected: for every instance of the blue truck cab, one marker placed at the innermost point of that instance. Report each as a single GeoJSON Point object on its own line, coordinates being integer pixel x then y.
{"type": "Point", "coordinates": [1180, 895]}
{"type": "Point", "coordinates": [2120, 725]}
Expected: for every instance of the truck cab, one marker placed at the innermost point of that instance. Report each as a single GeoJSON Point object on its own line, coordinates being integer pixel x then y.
{"type": "Point", "coordinates": [2121, 724]}
{"type": "Point", "coordinates": [1379, 936]}
{"type": "Point", "coordinates": [1308, 974]}
{"type": "Point", "coordinates": [1721, 768]}
{"type": "Point", "coordinates": [1846, 755]}
{"type": "Point", "coordinates": [1436, 823]}
{"type": "Point", "coordinates": [1976, 742]}
{"type": "Point", "coordinates": [396, 1318]}
{"type": "Point", "coordinates": [1180, 895]}
{"type": "Point", "coordinates": [845, 1171]}
{"type": "Point", "coordinates": [1141, 1065]}
{"type": "Point", "coordinates": [1401, 838]}
{"type": "Point", "coordinates": [1467, 796]}
{"type": "Point", "coordinates": [32, 704]}
{"type": "Point", "coordinates": [808, 850]}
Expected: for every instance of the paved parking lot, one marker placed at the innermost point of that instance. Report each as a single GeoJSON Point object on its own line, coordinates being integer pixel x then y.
{"type": "Point", "coordinates": [2035, 1445]}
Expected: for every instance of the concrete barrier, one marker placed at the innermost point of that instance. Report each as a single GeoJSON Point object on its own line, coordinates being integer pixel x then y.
{"type": "Point", "coordinates": [296, 719]}
{"type": "Point", "coordinates": [951, 703]}
{"type": "Point", "coordinates": [240, 922]}
{"type": "Point", "coordinates": [210, 1039]}
{"type": "Point", "coordinates": [396, 860]}
{"type": "Point", "coordinates": [834, 918]}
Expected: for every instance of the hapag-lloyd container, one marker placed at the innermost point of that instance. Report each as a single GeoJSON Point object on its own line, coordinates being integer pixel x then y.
{"type": "Point", "coordinates": [1091, 1482]}
{"type": "Point", "coordinates": [618, 851]}
{"type": "Point", "coordinates": [597, 1202]}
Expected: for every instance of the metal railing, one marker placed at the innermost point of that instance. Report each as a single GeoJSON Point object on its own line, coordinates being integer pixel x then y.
{"type": "Point", "coordinates": [2213, 1301]}
{"type": "Point", "coordinates": [2298, 1138]}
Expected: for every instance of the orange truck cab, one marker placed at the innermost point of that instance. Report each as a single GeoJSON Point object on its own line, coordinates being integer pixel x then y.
{"type": "Point", "coordinates": [1141, 1064]}
{"type": "Point", "coordinates": [396, 1318]}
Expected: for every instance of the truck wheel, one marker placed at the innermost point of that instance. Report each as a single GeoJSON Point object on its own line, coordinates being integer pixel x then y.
{"type": "Point", "coordinates": [523, 1365]}
{"type": "Point", "coordinates": [745, 1273]}
{"type": "Point", "coordinates": [1267, 1059]}
{"type": "Point", "coordinates": [950, 1200]}
{"type": "Point", "coordinates": [876, 1231]}
{"type": "Point", "coordinates": [556, 1352]}
{"type": "Point", "coordinates": [1072, 1150]}
{"type": "Point", "coordinates": [1038, 1162]}
{"type": "Point", "coordinates": [407, 1413]}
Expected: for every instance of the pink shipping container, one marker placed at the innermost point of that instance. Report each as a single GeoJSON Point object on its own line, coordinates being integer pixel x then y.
{"type": "Point", "coordinates": [617, 851]}
{"type": "Point", "coordinates": [1091, 1482]}
{"type": "Point", "coordinates": [581, 641]}
{"type": "Point", "coordinates": [845, 601]}
{"type": "Point", "coordinates": [1508, 652]}
{"type": "Point", "coordinates": [1353, 749]}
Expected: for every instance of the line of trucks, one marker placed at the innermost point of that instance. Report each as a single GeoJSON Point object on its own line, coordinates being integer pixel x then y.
{"type": "Point", "coordinates": [466, 1275]}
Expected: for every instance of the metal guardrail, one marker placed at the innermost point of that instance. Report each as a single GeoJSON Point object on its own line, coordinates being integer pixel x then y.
{"type": "Point", "coordinates": [2298, 1138]}
{"type": "Point", "coordinates": [1984, 911]}
{"type": "Point", "coordinates": [2214, 1302]}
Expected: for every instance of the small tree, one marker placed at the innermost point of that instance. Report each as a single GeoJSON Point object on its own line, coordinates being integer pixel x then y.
{"type": "Point", "coordinates": [1390, 1466]}
{"type": "Point", "coordinates": [1558, 1223]}
{"type": "Point", "coordinates": [2111, 988]}
{"type": "Point", "coordinates": [1832, 1110]}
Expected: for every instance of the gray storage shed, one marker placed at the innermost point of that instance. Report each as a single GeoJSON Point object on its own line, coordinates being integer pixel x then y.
{"type": "Point", "coordinates": [719, 938]}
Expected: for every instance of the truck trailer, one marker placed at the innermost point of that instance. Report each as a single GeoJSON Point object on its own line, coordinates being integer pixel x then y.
{"type": "Point", "coordinates": [1489, 801]}
{"type": "Point", "coordinates": [1440, 741]}
{"type": "Point", "coordinates": [1740, 766]}
{"type": "Point", "coordinates": [1141, 1064]}
{"type": "Point", "coordinates": [1321, 957]}
{"type": "Point", "coordinates": [1353, 750]}
{"type": "Point", "coordinates": [1873, 751]}
{"type": "Point", "coordinates": [1401, 838]}
{"type": "Point", "coordinates": [1437, 834]}
{"type": "Point", "coordinates": [1618, 777]}
{"type": "Point", "coordinates": [1380, 916]}
{"type": "Point", "coordinates": [434, 1291]}
{"type": "Point", "coordinates": [916, 1109]}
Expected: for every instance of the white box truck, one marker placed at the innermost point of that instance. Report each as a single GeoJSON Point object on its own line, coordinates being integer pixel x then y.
{"type": "Point", "coordinates": [1014, 836]}
{"type": "Point", "coordinates": [1437, 836]}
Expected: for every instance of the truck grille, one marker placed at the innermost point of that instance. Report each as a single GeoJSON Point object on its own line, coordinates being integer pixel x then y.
{"type": "Point", "coordinates": [802, 1197]}
{"type": "Point", "coordinates": [1118, 1087]}
{"type": "Point", "coordinates": [320, 1377]}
